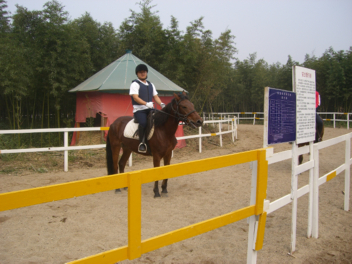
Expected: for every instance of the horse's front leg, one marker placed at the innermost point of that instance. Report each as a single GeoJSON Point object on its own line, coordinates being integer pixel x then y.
{"type": "Point", "coordinates": [156, 160]}
{"type": "Point", "coordinates": [167, 159]}
{"type": "Point", "coordinates": [116, 154]}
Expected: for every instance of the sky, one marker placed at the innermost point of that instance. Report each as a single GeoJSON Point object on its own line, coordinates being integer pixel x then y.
{"type": "Point", "coordinates": [274, 29]}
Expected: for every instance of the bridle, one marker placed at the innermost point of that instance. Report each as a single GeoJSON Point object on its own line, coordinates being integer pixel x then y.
{"type": "Point", "coordinates": [177, 115]}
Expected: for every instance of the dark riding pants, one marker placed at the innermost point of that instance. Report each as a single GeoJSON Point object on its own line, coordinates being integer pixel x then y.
{"type": "Point", "coordinates": [141, 117]}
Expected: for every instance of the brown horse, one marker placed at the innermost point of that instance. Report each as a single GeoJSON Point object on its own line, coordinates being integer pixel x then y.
{"type": "Point", "coordinates": [319, 133]}
{"type": "Point", "coordinates": [160, 144]}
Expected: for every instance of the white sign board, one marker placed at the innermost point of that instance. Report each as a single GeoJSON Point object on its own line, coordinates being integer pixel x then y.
{"type": "Point", "coordinates": [304, 86]}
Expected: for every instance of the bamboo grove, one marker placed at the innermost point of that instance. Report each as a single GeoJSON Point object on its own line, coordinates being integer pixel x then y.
{"type": "Point", "coordinates": [43, 54]}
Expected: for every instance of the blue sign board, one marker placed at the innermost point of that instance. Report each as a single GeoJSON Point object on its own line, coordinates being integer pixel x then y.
{"type": "Point", "coordinates": [281, 116]}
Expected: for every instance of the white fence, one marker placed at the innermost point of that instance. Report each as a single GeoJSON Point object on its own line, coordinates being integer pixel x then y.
{"type": "Point", "coordinates": [231, 128]}
{"type": "Point", "coordinates": [314, 181]}
{"type": "Point", "coordinates": [231, 123]}
{"type": "Point", "coordinates": [260, 116]}
{"type": "Point", "coordinates": [240, 116]}
{"type": "Point", "coordinates": [334, 119]}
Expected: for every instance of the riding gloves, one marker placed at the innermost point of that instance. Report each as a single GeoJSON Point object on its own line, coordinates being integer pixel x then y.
{"type": "Point", "coordinates": [150, 105]}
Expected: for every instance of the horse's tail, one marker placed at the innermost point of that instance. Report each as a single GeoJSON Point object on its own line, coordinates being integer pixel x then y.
{"type": "Point", "coordinates": [109, 161]}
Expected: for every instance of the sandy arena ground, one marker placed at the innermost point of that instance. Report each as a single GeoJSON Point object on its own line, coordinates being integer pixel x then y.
{"type": "Point", "coordinates": [63, 231]}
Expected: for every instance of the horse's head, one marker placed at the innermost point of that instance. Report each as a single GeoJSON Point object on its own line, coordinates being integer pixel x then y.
{"type": "Point", "coordinates": [184, 110]}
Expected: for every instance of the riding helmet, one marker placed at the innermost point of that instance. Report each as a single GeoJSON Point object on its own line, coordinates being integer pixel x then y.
{"type": "Point", "coordinates": [141, 67]}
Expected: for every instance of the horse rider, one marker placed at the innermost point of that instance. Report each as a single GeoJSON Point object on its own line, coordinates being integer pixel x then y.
{"type": "Point", "coordinates": [319, 121]}
{"type": "Point", "coordinates": [142, 93]}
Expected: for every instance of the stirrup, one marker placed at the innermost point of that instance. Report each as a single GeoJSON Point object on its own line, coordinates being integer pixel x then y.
{"type": "Point", "coordinates": [142, 151]}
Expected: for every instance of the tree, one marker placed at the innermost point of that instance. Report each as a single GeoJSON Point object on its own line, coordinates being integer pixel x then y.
{"type": "Point", "coordinates": [4, 43]}
{"type": "Point", "coordinates": [4, 18]}
{"type": "Point", "coordinates": [56, 57]}
{"type": "Point", "coordinates": [207, 64]}
{"type": "Point", "coordinates": [285, 74]}
{"type": "Point", "coordinates": [333, 78]}
{"type": "Point", "coordinates": [252, 78]}
{"type": "Point", "coordinates": [143, 34]}
{"type": "Point", "coordinates": [336, 79]}
{"type": "Point", "coordinates": [102, 41]}
{"type": "Point", "coordinates": [15, 73]}
{"type": "Point", "coordinates": [172, 64]}
{"type": "Point", "coordinates": [65, 57]}
{"type": "Point", "coordinates": [347, 89]}
{"type": "Point", "coordinates": [43, 55]}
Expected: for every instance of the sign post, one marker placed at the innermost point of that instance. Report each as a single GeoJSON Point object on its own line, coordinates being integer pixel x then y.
{"type": "Point", "coordinates": [303, 82]}
{"type": "Point", "coordinates": [290, 117]}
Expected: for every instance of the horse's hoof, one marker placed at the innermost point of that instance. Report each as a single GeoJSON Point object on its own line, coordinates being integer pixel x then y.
{"type": "Point", "coordinates": [125, 188]}
{"type": "Point", "coordinates": [156, 195]}
{"type": "Point", "coordinates": [164, 195]}
{"type": "Point", "coordinates": [117, 191]}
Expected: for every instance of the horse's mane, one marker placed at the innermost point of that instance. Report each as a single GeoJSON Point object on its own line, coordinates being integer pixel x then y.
{"type": "Point", "coordinates": [160, 118]}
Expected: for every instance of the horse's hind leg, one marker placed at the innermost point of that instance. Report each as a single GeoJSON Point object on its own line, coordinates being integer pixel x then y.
{"type": "Point", "coordinates": [115, 149]}
{"type": "Point", "coordinates": [123, 160]}
{"type": "Point", "coordinates": [167, 159]}
{"type": "Point", "coordinates": [116, 153]}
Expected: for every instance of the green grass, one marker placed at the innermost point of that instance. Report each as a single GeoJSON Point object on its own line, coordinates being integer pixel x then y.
{"type": "Point", "coordinates": [7, 170]}
{"type": "Point", "coordinates": [338, 124]}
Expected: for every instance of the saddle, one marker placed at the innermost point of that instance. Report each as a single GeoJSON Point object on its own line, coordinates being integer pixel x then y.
{"type": "Point", "coordinates": [131, 129]}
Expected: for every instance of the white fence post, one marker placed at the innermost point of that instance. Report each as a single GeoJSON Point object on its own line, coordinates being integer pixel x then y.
{"type": "Point", "coordinates": [252, 229]}
{"type": "Point", "coordinates": [220, 134]}
{"type": "Point", "coordinates": [294, 183]}
{"type": "Point", "coordinates": [334, 119]}
{"type": "Point", "coordinates": [315, 227]}
{"type": "Point", "coordinates": [348, 120]}
{"type": "Point", "coordinates": [233, 134]}
{"type": "Point", "coordinates": [311, 198]}
{"type": "Point", "coordinates": [347, 172]}
{"type": "Point", "coordinates": [235, 126]}
{"type": "Point", "coordinates": [66, 151]}
{"type": "Point", "coordinates": [200, 139]}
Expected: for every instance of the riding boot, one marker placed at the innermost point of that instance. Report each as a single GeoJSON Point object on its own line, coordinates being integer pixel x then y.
{"type": "Point", "coordinates": [142, 147]}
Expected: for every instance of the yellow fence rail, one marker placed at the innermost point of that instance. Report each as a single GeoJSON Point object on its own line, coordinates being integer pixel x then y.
{"type": "Point", "coordinates": [134, 180]}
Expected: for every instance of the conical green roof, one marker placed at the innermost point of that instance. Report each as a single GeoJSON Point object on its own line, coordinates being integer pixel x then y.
{"type": "Point", "coordinates": [118, 76]}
